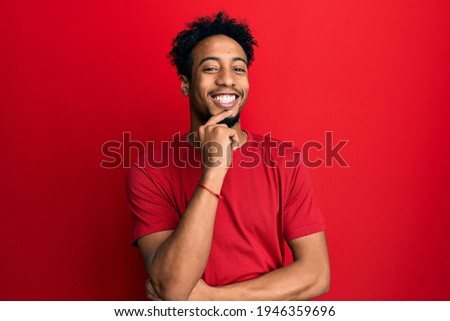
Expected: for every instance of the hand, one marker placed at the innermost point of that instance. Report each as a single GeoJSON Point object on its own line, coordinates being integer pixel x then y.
{"type": "Point", "coordinates": [151, 293]}
{"type": "Point", "coordinates": [201, 292]}
{"type": "Point", "coordinates": [217, 142]}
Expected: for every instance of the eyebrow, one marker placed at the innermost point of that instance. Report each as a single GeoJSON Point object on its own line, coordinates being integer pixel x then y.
{"type": "Point", "coordinates": [217, 59]}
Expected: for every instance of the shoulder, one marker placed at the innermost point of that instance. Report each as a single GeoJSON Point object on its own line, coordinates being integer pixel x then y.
{"type": "Point", "coordinates": [153, 162]}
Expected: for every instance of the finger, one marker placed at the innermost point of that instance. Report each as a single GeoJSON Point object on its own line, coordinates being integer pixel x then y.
{"type": "Point", "coordinates": [202, 130]}
{"type": "Point", "coordinates": [152, 298]}
{"type": "Point", "coordinates": [151, 293]}
{"type": "Point", "coordinates": [215, 125]}
{"type": "Point", "coordinates": [234, 140]}
{"type": "Point", "coordinates": [219, 117]}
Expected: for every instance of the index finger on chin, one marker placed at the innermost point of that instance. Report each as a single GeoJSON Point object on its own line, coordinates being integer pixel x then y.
{"type": "Point", "coordinates": [219, 117]}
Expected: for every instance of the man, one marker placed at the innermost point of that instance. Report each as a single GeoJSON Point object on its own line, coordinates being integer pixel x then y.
{"type": "Point", "coordinates": [217, 229]}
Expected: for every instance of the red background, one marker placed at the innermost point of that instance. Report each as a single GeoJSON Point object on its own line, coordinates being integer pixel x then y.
{"type": "Point", "coordinates": [75, 74]}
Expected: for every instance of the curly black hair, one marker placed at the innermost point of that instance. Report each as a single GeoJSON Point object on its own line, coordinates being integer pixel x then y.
{"type": "Point", "coordinates": [219, 24]}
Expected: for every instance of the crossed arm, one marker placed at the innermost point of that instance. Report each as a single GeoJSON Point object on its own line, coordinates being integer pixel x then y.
{"type": "Point", "coordinates": [307, 277]}
{"type": "Point", "coordinates": [304, 279]}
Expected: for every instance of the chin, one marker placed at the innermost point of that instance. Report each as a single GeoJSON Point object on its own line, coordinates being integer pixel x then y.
{"type": "Point", "coordinates": [229, 121]}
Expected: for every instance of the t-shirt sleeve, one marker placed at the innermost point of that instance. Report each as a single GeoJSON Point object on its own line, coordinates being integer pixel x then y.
{"type": "Point", "coordinates": [150, 203]}
{"type": "Point", "coordinates": [301, 214]}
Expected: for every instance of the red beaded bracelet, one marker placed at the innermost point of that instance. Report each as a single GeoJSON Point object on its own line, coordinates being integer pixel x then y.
{"type": "Point", "coordinates": [212, 192]}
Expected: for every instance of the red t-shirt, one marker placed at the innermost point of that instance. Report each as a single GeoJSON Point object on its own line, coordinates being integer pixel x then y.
{"type": "Point", "coordinates": [268, 200]}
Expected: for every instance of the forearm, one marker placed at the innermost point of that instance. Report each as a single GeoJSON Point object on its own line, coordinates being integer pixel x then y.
{"type": "Point", "coordinates": [297, 281]}
{"type": "Point", "coordinates": [180, 261]}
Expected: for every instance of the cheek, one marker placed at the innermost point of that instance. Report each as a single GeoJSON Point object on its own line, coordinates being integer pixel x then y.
{"type": "Point", "coordinates": [201, 88]}
{"type": "Point", "coordinates": [246, 89]}
{"type": "Point", "coordinates": [200, 94]}
{"type": "Point", "coordinates": [244, 84]}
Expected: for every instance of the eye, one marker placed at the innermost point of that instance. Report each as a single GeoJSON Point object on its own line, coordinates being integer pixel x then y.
{"type": "Point", "coordinates": [210, 69]}
{"type": "Point", "coordinates": [239, 70]}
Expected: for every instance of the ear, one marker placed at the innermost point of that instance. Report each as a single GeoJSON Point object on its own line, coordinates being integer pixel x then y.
{"type": "Point", "coordinates": [184, 85]}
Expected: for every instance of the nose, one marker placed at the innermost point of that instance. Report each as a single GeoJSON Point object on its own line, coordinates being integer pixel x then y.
{"type": "Point", "coordinates": [225, 78]}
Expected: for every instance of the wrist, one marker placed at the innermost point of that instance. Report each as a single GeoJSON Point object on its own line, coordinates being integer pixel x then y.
{"type": "Point", "coordinates": [213, 179]}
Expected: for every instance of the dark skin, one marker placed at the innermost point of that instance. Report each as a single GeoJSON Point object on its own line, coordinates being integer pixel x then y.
{"type": "Point", "coordinates": [176, 259]}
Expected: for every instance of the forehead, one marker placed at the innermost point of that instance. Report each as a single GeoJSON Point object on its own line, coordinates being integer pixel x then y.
{"type": "Point", "coordinates": [220, 46]}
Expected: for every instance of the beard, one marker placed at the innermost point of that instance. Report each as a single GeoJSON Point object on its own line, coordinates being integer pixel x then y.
{"type": "Point", "coordinates": [229, 121]}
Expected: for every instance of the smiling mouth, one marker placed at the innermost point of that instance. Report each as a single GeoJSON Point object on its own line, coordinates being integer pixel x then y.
{"type": "Point", "coordinates": [225, 100]}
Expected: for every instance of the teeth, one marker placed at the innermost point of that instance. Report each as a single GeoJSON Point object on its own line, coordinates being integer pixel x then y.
{"type": "Point", "coordinates": [225, 98]}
